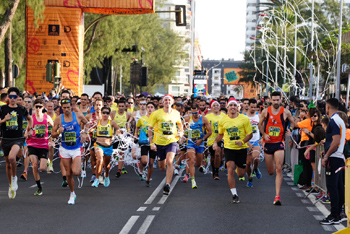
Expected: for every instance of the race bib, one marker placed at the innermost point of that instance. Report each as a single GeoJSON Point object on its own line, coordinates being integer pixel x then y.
{"type": "Point", "coordinates": [103, 131]}
{"type": "Point", "coordinates": [167, 128]}
{"type": "Point", "coordinates": [12, 124]}
{"type": "Point", "coordinates": [233, 133]}
{"type": "Point", "coordinates": [255, 129]}
{"type": "Point", "coordinates": [49, 129]}
{"type": "Point", "coordinates": [195, 134]}
{"type": "Point", "coordinates": [274, 131]}
{"type": "Point", "coordinates": [70, 138]}
{"type": "Point", "coordinates": [216, 127]}
{"type": "Point", "coordinates": [24, 125]}
{"type": "Point", "coordinates": [39, 131]}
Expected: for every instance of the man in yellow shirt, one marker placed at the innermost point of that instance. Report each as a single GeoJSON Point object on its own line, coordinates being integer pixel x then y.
{"type": "Point", "coordinates": [163, 122]}
{"type": "Point", "coordinates": [214, 117]}
{"type": "Point", "coordinates": [3, 99]}
{"type": "Point", "coordinates": [236, 131]}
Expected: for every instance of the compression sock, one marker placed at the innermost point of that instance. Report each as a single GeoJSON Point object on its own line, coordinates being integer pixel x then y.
{"type": "Point", "coordinates": [38, 183]}
{"type": "Point", "coordinates": [64, 178]}
{"type": "Point", "coordinates": [234, 191]}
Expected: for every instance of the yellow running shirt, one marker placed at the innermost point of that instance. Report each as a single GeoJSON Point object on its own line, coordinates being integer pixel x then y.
{"type": "Point", "coordinates": [214, 124]}
{"type": "Point", "coordinates": [235, 130]}
{"type": "Point", "coordinates": [121, 120]}
{"type": "Point", "coordinates": [164, 125]}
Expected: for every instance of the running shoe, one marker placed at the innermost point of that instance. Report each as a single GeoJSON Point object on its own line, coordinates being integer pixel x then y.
{"type": "Point", "coordinates": [107, 181]}
{"type": "Point", "coordinates": [39, 192]}
{"type": "Point", "coordinates": [242, 178]}
{"type": "Point", "coordinates": [65, 183]}
{"type": "Point", "coordinates": [257, 173]}
{"type": "Point", "coordinates": [250, 183]}
{"type": "Point", "coordinates": [216, 176]}
{"type": "Point", "coordinates": [330, 220]}
{"type": "Point", "coordinates": [186, 178]}
{"type": "Point", "coordinates": [343, 217]}
{"type": "Point", "coordinates": [119, 173]}
{"type": "Point", "coordinates": [148, 183]}
{"type": "Point", "coordinates": [253, 174]}
{"type": "Point", "coordinates": [24, 176]}
{"type": "Point", "coordinates": [49, 168]}
{"type": "Point", "coordinates": [325, 200]}
{"type": "Point", "coordinates": [277, 201]}
{"type": "Point", "coordinates": [154, 164]}
{"type": "Point", "coordinates": [142, 177]}
{"type": "Point", "coordinates": [235, 199]}
{"type": "Point", "coordinates": [101, 180]}
{"type": "Point", "coordinates": [72, 199]}
{"type": "Point", "coordinates": [95, 183]}
{"type": "Point", "coordinates": [222, 168]}
{"type": "Point", "coordinates": [124, 171]}
{"type": "Point", "coordinates": [194, 184]}
{"type": "Point", "coordinates": [305, 187]}
{"type": "Point", "coordinates": [166, 189]}
{"type": "Point", "coordinates": [201, 169]}
{"type": "Point", "coordinates": [11, 193]}
{"type": "Point", "coordinates": [14, 185]}
{"type": "Point", "coordinates": [93, 177]}
{"type": "Point", "coordinates": [176, 171]}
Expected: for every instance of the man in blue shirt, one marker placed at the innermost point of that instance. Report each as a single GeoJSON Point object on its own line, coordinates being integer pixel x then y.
{"type": "Point", "coordinates": [333, 160]}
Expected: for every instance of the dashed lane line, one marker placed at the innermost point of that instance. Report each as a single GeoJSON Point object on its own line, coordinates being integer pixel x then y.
{"type": "Point", "coordinates": [126, 229]}
{"type": "Point", "coordinates": [144, 227]}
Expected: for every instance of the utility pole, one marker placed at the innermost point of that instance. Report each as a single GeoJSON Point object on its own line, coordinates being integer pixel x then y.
{"type": "Point", "coordinates": [312, 49]}
{"type": "Point", "coordinates": [337, 91]}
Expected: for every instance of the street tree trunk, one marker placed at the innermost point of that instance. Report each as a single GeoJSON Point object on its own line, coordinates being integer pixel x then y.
{"type": "Point", "coordinates": [1, 77]}
{"type": "Point", "coordinates": [8, 16]}
{"type": "Point", "coordinates": [8, 59]}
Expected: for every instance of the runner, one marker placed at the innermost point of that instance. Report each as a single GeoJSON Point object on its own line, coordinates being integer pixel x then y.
{"type": "Point", "coordinates": [163, 122]}
{"type": "Point", "coordinates": [38, 142]}
{"type": "Point", "coordinates": [236, 131]}
{"type": "Point", "coordinates": [68, 124]}
{"type": "Point", "coordinates": [272, 125]}
{"type": "Point", "coordinates": [216, 155]}
{"type": "Point", "coordinates": [121, 117]}
{"type": "Point", "coordinates": [245, 105]}
{"type": "Point", "coordinates": [84, 101]}
{"type": "Point", "coordinates": [52, 114]}
{"type": "Point", "coordinates": [11, 116]}
{"type": "Point", "coordinates": [198, 124]}
{"type": "Point", "coordinates": [103, 145]}
{"type": "Point", "coordinates": [141, 133]}
{"type": "Point", "coordinates": [254, 146]}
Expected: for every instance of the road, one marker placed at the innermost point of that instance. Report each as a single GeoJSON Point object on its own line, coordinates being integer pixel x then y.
{"type": "Point", "coordinates": [128, 206]}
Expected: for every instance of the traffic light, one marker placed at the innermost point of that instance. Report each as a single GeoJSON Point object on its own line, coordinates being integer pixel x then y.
{"type": "Point", "coordinates": [57, 82]}
{"type": "Point", "coordinates": [49, 72]}
{"type": "Point", "coordinates": [57, 67]}
{"type": "Point", "coordinates": [180, 15]}
{"type": "Point", "coordinates": [144, 76]}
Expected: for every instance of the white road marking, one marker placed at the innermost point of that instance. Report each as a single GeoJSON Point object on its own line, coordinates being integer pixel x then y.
{"type": "Point", "coordinates": [305, 201]}
{"type": "Point", "coordinates": [144, 227]}
{"type": "Point", "coordinates": [155, 192]}
{"type": "Point", "coordinates": [290, 183]}
{"type": "Point", "coordinates": [156, 209]}
{"type": "Point", "coordinates": [142, 208]}
{"type": "Point", "coordinates": [33, 186]}
{"type": "Point", "coordinates": [294, 188]}
{"type": "Point", "coordinates": [312, 209]}
{"type": "Point", "coordinates": [128, 226]}
{"type": "Point", "coordinates": [300, 194]}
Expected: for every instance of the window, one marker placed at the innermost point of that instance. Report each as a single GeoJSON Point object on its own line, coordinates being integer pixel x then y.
{"type": "Point", "coordinates": [175, 88]}
{"type": "Point", "coordinates": [177, 73]}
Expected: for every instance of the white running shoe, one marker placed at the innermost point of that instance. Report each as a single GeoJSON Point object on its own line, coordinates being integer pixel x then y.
{"type": "Point", "coordinates": [101, 180]}
{"type": "Point", "coordinates": [194, 184]}
{"type": "Point", "coordinates": [72, 199]}
{"type": "Point", "coordinates": [14, 185]}
{"type": "Point", "coordinates": [176, 171]}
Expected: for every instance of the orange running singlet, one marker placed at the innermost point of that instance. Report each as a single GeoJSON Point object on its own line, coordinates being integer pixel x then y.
{"type": "Point", "coordinates": [274, 126]}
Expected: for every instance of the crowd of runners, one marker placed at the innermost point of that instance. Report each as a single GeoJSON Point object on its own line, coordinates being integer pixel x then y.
{"type": "Point", "coordinates": [173, 133]}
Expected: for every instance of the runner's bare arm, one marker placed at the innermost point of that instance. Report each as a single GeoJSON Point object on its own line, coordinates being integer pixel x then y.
{"type": "Point", "coordinates": [217, 140]}
{"type": "Point", "coordinates": [207, 127]}
{"type": "Point", "coordinates": [56, 127]}
{"type": "Point", "coordinates": [290, 118]}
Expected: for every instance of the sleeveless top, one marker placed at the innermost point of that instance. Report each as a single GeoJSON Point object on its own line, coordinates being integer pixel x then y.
{"type": "Point", "coordinates": [40, 137]}
{"type": "Point", "coordinates": [138, 116]}
{"type": "Point", "coordinates": [196, 130]}
{"type": "Point", "coordinates": [121, 119]}
{"type": "Point", "coordinates": [71, 133]}
{"type": "Point", "coordinates": [254, 122]}
{"type": "Point", "coordinates": [104, 130]}
{"type": "Point", "coordinates": [275, 126]}
{"type": "Point", "coordinates": [49, 127]}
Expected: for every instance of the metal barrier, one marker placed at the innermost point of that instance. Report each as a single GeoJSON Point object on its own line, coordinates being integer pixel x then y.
{"type": "Point", "coordinates": [320, 172]}
{"type": "Point", "coordinates": [347, 190]}
{"type": "Point", "coordinates": [287, 167]}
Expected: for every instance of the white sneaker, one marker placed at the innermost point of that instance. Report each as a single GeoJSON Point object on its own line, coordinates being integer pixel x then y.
{"type": "Point", "coordinates": [176, 171]}
{"type": "Point", "coordinates": [72, 199]}
{"type": "Point", "coordinates": [101, 180]}
{"type": "Point", "coordinates": [10, 192]}
{"type": "Point", "coordinates": [14, 185]}
{"type": "Point", "coordinates": [194, 184]}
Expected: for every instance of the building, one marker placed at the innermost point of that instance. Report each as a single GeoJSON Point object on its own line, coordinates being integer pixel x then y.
{"type": "Point", "coordinates": [216, 78]}
{"type": "Point", "coordinates": [181, 85]}
{"type": "Point", "coordinates": [252, 17]}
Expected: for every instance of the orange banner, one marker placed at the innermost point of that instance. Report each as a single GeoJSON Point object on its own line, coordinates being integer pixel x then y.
{"type": "Point", "coordinates": [232, 77]}
{"type": "Point", "coordinates": [115, 7]}
{"type": "Point", "coordinates": [60, 38]}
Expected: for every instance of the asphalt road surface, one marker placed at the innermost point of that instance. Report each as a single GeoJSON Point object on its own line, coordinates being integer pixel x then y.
{"type": "Point", "coordinates": [128, 206]}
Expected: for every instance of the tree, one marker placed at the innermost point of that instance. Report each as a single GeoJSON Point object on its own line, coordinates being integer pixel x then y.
{"type": "Point", "coordinates": [6, 18]}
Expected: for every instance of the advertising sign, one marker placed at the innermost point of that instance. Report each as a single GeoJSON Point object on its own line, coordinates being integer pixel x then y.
{"type": "Point", "coordinates": [232, 77]}
{"type": "Point", "coordinates": [59, 38]}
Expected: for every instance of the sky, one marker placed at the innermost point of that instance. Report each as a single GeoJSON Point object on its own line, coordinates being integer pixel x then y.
{"type": "Point", "coordinates": [220, 25]}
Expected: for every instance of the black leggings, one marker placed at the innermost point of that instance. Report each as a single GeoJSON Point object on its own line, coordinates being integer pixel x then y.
{"type": "Point", "coordinates": [306, 176]}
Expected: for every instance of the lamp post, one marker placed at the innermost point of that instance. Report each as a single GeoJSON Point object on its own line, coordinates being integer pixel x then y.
{"type": "Point", "coordinates": [337, 91]}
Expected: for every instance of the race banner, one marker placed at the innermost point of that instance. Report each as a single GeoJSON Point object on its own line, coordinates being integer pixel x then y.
{"type": "Point", "coordinates": [110, 7]}
{"type": "Point", "coordinates": [59, 38]}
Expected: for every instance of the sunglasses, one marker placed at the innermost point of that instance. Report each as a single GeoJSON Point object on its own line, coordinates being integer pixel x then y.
{"type": "Point", "coordinates": [222, 103]}
{"type": "Point", "coordinates": [12, 96]}
{"type": "Point", "coordinates": [65, 101]}
{"type": "Point", "coordinates": [130, 102]}
{"type": "Point", "coordinates": [143, 103]}
{"type": "Point", "coordinates": [105, 112]}
{"type": "Point", "coordinates": [28, 101]}
{"type": "Point", "coordinates": [315, 116]}
{"type": "Point", "coordinates": [194, 113]}
{"type": "Point", "coordinates": [38, 106]}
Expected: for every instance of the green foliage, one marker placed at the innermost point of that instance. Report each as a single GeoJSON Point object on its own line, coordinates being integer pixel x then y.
{"type": "Point", "coordinates": [114, 33]}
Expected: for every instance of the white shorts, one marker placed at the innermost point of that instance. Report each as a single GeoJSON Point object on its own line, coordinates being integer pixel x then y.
{"type": "Point", "coordinates": [66, 153]}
